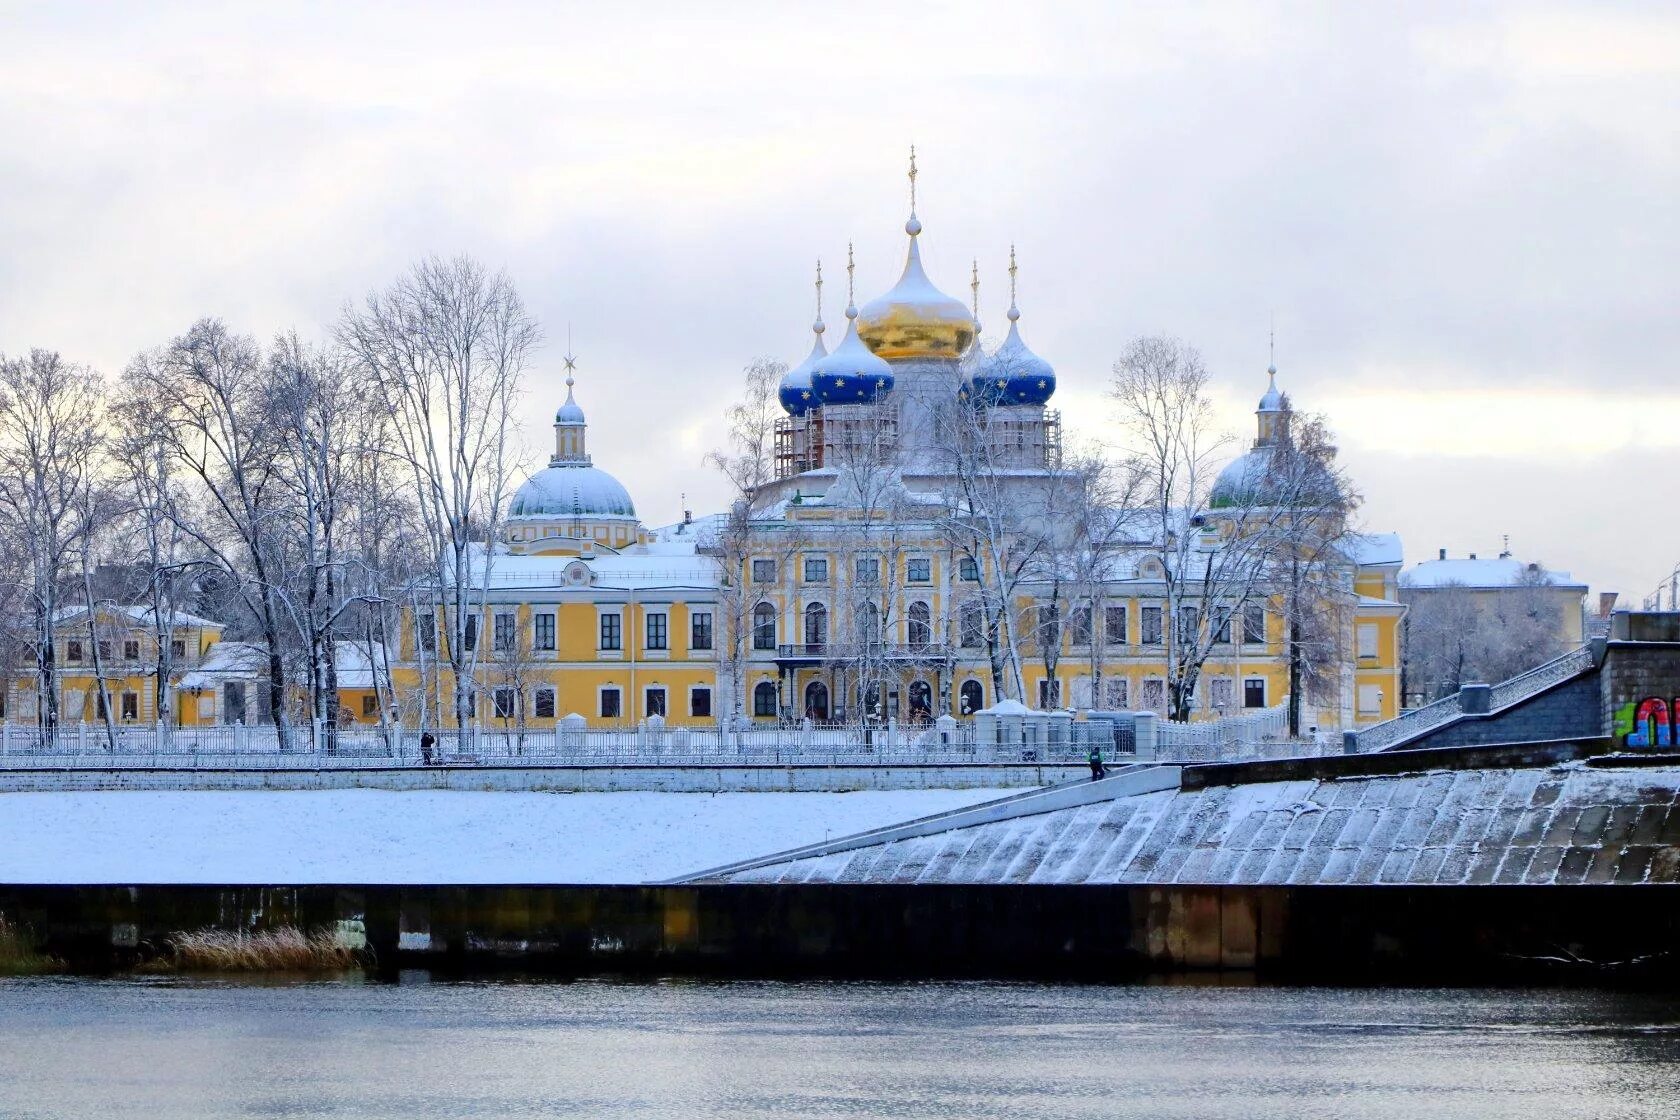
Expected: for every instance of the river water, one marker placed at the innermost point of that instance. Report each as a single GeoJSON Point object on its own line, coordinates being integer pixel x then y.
{"type": "Point", "coordinates": [174, 1050]}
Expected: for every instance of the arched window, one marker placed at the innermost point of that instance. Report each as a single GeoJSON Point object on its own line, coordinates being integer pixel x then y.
{"type": "Point", "coordinates": [764, 626]}
{"type": "Point", "coordinates": [921, 700]}
{"type": "Point", "coordinates": [869, 625]}
{"type": "Point", "coordinates": [764, 699]}
{"type": "Point", "coordinates": [921, 625]}
{"type": "Point", "coordinates": [816, 700]}
{"type": "Point", "coordinates": [816, 628]}
{"type": "Point", "coordinates": [973, 697]}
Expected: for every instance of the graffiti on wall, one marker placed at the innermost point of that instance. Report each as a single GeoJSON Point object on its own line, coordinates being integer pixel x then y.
{"type": "Point", "coordinates": [1648, 722]}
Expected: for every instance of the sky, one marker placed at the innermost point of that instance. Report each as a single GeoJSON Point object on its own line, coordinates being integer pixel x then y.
{"type": "Point", "coordinates": [1460, 219]}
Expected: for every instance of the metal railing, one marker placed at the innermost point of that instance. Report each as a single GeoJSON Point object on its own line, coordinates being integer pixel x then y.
{"type": "Point", "coordinates": [1432, 717]}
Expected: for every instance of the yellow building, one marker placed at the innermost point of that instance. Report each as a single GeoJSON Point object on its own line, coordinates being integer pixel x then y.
{"type": "Point", "coordinates": [839, 591]}
{"type": "Point", "coordinates": [119, 647]}
{"type": "Point", "coordinates": [580, 612]}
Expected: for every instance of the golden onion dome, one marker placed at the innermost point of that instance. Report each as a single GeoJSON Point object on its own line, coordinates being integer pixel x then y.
{"type": "Point", "coordinates": [916, 319]}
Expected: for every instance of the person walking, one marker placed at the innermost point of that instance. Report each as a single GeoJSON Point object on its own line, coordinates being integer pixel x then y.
{"type": "Point", "coordinates": [426, 742]}
{"type": "Point", "coordinates": [1098, 770]}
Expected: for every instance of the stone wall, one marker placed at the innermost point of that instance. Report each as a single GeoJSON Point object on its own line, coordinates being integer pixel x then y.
{"type": "Point", "coordinates": [1573, 710]}
{"type": "Point", "coordinates": [1635, 673]}
{"type": "Point", "coordinates": [555, 779]}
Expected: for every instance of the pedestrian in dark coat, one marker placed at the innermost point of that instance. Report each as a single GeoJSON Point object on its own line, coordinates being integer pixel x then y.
{"type": "Point", "coordinates": [1097, 768]}
{"type": "Point", "coordinates": [426, 742]}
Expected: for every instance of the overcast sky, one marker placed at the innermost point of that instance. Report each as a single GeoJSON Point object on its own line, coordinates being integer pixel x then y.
{"type": "Point", "coordinates": [1462, 218]}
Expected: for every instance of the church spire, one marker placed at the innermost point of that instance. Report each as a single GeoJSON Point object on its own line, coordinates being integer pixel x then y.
{"type": "Point", "coordinates": [570, 425]}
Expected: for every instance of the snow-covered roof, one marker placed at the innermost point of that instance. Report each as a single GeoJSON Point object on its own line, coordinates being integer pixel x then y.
{"type": "Point", "coordinates": [670, 563]}
{"type": "Point", "coordinates": [139, 615]}
{"type": "Point", "coordinates": [1481, 574]}
{"type": "Point", "coordinates": [1377, 548]}
{"type": "Point", "coordinates": [244, 660]}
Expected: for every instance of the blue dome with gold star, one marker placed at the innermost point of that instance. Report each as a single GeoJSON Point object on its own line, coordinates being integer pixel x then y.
{"type": "Point", "coordinates": [795, 392]}
{"type": "Point", "coordinates": [852, 374]}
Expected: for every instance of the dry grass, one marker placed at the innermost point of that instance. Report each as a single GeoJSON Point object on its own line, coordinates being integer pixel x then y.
{"type": "Point", "coordinates": [286, 949]}
{"type": "Point", "coordinates": [18, 955]}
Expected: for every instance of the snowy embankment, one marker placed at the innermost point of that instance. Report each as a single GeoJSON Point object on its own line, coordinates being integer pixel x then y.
{"type": "Point", "coordinates": [427, 837]}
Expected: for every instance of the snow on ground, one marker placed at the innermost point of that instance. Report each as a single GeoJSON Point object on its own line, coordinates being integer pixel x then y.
{"type": "Point", "coordinates": [425, 837]}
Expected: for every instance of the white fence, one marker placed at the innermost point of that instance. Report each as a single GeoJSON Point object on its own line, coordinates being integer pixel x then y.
{"type": "Point", "coordinates": [77, 746]}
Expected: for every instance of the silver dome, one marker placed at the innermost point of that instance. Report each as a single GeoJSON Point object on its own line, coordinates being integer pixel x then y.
{"type": "Point", "coordinates": [572, 491]}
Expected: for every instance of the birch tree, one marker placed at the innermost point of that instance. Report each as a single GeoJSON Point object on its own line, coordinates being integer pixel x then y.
{"type": "Point", "coordinates": [209, 390]}
{"type": "Point", "coordinates": [447, 347]}
{"type": "Point", "coordinates": [51, 446]}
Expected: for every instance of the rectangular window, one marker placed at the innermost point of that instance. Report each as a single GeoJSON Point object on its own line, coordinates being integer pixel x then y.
{"type": "Point", "coordinates": [1224, 635]}
{"type": "Point", "coordinates": [1254, 624]}
{"type": "Point", "coordinates": [178, 649]}
{"type": "Point", "coordinates": [1254, 692]}
{"type": "Point", "coordinates": [869, 569]}
{"type": "Point", "coordinates": [1048, 627]}
{"type": "Point", "coordinates": [1114, 693]}
{"type": "Point", "coordinates": [1367, 639]}
{"type": "Point", "coordinates": [503, 637]}
{"type": "Point", "coordinates": [764, 626]}
{"type": "Point", "coordinates": [658, 636]}
{"type": "Point", "coordinates": [764, 699]}
{"type": "Point", "coordinates": [544, 706]}
{"type": "Point", "coordinates": [131, 650]}
{"type": "Point", "coordinates": [764, 571]}
{"type": "Point", "coordinates": [104, 650]}
{"type": "Point", "coordinates": [919, 569]}
{"type": "Point", "coordinates": [469, 637]}
{"type": "Point", "coordinates": [1049, 694]}
{"type": "Point", "coordinates": [816, 569]}
{"type": "Point", "coordinates": [73, 650]}
{"type": "Point", "coordinates": [1188, 618]}
{"type": "Point", "coordinates": [612, 631]}
{"type": "Point", "coordinates": [425, 632]}
{"type": "Point", "coordinates": [1220, 693]}
{"type": "Point", "coordinates": [542, 631]}
{"type": "Point", "coordinates": [1079, 626]}
{"type": "Point", "coordinates": [370, 706]}
{"type": "Point", "coordinates": [655, 701]}
{"type": "Point", "coordinates": [503, 699]}
{"type": "Point", "coordinates": [98, 703]}
{"type": "Point", "coordinates": [1370, 700]}
{"type": "Point", "coordinates": [700, 702]}
{"type": "Point", "coordinates": [1149, 619]}
{"type": "Point", "coordinates": [968, 570]}
{"type": "Point", "coordinates": [1154, 696]}
{"type": "Point", "coordinates": [1114, 625]}
{"type": "Point", "coordinates": [700, 630]}
{"type": "Point", "coordinates": [611, 705]}
{"type": "Point", "coordinates": [971, 625]}
{"type": "Point", "coordinates": [130, 706]}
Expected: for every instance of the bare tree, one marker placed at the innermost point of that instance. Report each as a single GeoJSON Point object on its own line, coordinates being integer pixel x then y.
{"type": "Point", "coordinates": [748, 463]}
{"type": "Point", "coordinates": [1455, 635]}
{"type": "Point", "coordinates": [1210, 561]}
{"type": "Point", "coordinates": [447, 346]}
{"type": "Point", "coordinates": [51, 445]}
{"type": "Point", "coordinates": [209, 390]}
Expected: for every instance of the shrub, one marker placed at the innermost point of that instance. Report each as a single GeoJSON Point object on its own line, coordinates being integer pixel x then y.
{"type": "Point", "coordinates": [286, 949]}
{"type": "Point", "coordinates": [18, 954]}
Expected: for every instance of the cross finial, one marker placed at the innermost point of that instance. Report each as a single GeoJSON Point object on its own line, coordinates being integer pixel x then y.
{"type": "Point", "coordinates": [1012, 275]}
{"type": "Point", "coordinates": [571, 359]}
{"type": "Point", "coordinates": [819, 296]}
{"type": "Point", "coordinates": [912, 180]}
{"type": "Point", "coordinates": [1271, 346]}
{"type": "Point", "coordinates": [974, 286]}
{"type": "Point", "coordinates": [851, 269]}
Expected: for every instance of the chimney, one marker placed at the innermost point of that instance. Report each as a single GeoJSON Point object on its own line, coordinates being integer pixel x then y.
{"type": "Point", "coordinates": [1606, 603]}
{"type": "Point", "coordinates": [1472, 556]}
{"type": "Point", "coordinates": [1443, 554]}
{"type": "Point", "coordinates": [688, 517]}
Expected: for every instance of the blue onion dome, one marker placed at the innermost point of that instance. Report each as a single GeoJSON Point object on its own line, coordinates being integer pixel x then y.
{"type": "Point", "coordinates": [796, 393]}
{"type": "Point", "coordinates": [852, 374]}
{"type": "Point", "coordinates": [1017, 375]}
